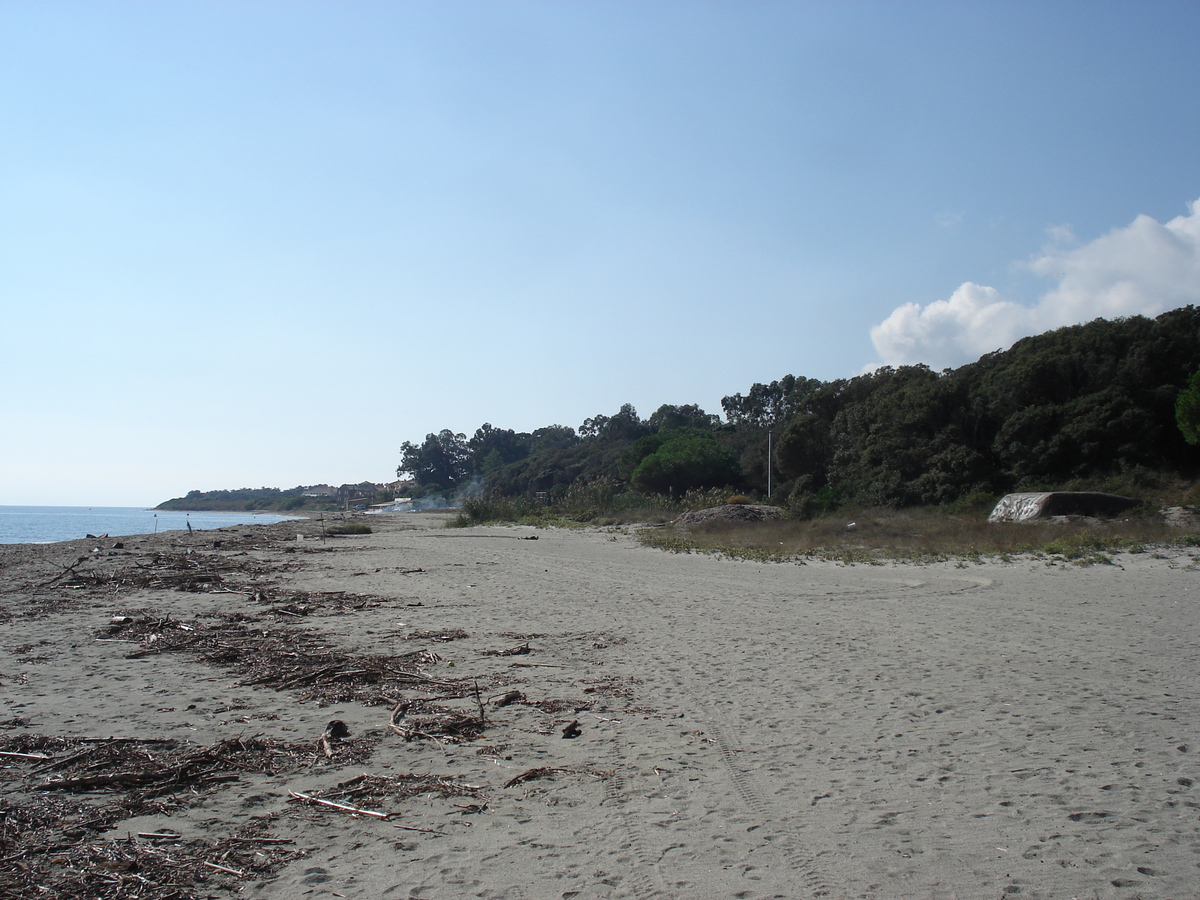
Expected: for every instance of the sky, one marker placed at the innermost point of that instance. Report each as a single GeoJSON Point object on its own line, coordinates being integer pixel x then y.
{"type": "Point", "coordinates": [249, 244]}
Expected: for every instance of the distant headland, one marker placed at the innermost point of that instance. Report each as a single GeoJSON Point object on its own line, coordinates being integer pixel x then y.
{"type": "Point", "coordinates": [303, 498]}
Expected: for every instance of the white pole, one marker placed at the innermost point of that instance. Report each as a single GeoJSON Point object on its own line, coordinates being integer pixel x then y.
{"type": "Point", "coordinates": [768, 464]}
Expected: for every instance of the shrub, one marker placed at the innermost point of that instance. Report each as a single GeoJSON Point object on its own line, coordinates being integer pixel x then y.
{"type": "Point", "coordinates": [349, 528]}
{"type": "Point", "coordinates": [491, 507]}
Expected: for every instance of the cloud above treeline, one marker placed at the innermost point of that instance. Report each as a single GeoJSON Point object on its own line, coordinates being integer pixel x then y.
{"type": "Point", "coordinates": [1144, 268]}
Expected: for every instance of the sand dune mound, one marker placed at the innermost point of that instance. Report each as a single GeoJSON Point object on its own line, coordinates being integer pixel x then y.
{"type": "Point", "coordinates": [1182, 517]}
{"type": "Point", "coordinates": [731, 512]}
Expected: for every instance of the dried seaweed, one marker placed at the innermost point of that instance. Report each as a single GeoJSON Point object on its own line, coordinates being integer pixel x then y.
{"type": "Point", "coordinates": [611, 686]}
{"type": "Point", "coordinates": [286, 659]}
{"type": "Point", "coordinates": [379, 790]}
{"type": "Point", "coordinates": [301, 604]}
{"type": "Point", "coordinates": [132, 869]}
{"type": "Point", "coordinates": [145, 768]}
{"type": "Point", "coordinates": [557, 706]}
{"type": "Point", "coordinates": [48, 831]}
{"type": "Point", "coordinates": [174, 571]}
{"type": "Point", "coordinates": [422, 719]}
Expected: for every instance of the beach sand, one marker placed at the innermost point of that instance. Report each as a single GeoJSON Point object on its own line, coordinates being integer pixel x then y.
{"type": "Point", "coordinates": [804, 729]}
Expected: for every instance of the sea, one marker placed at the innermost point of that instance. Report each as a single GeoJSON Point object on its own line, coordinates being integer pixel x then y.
{"type": "Point", "coordinates": [45, 524]}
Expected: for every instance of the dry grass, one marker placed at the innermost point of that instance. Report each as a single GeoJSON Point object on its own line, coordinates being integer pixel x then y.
{"type": "Point", "coordinates": [919, 535]}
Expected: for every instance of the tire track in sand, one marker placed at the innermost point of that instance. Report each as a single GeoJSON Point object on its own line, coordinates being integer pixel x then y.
{"type": "Point", "coordinates": [745, 783]}
{"type": "Point", "coordinates": [644, 878]}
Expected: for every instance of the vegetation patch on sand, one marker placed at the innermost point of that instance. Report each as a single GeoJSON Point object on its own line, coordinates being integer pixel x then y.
{"type": "Point", "coordinates": [349, 528]}
{"type": "Point", "coordinates": [868, 535]}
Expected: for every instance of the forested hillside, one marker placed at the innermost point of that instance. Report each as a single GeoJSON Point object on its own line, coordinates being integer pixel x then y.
{"type": "Point", "coordinates": [1084, 405]}
{"type": "Point", "coordinates": [249, 500]}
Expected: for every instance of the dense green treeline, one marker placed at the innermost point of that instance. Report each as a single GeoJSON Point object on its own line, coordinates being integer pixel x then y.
{"type": "Point", "coordinates": [1084, 405]}
{"type": "Point", "coordinates": [248, 500]}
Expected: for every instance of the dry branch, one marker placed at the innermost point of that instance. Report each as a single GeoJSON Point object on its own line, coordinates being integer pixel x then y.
{"type": "Point", "coordinates": [344, 807]}
{"type": "Point", "coordinates": [547, 771]}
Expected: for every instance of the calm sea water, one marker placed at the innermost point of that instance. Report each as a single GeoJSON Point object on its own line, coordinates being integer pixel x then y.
{"type": "Point", "coordinates": [42, 524]}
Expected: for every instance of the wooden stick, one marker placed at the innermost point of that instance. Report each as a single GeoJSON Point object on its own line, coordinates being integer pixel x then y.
{"type": "Point", "coordinates": [479, 700]}
{"type": "Point", "coordinates": [401, 675]}
{"type": "Point", "coordinates": [16, 755]}
{"type": "Point", "coordinates": [68, 570]}
{"type": "Point", "coordinates": [224, 869]}
{"type": "Point", "coordinates": [409, 733]}
{"type": "Point", "coordinates": [535, 665]}
{"type": "Point", "coordinates": [117, 740]}
{"type": "Point", "coordinates": [344, 807]}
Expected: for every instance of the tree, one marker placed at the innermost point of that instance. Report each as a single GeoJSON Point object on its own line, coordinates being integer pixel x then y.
{"type": "Point", "coordinates": [768, 405]}
{"type": "Point", "coordinates": [492, 448]}
{"type": "Point", "coordinates": [804, 448]}
{"type": "Point", "coordinates": [442, 462]}
{"type": "Point", "coordinates": [686, 461]}
{"type": "Point", "coordinates": [623, 426]}
{"type": "Point", "coordinates": [552, 437]}
{"type": "Point", "coordinates": [641, 448]}
{"type": "Point", "coordinates": [1187, 410]}
{"type": "Point", "coordinates": [668, 416]}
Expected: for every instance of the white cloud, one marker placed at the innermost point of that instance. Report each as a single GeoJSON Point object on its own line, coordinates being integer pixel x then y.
{"type": "Point", "coordinates": [1144, 268]}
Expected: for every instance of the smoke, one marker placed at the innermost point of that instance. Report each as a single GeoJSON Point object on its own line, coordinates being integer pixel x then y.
{"type": "Point", "coordinates": [1144, 268]}
{"type": "Point", "coordinates": [473, 488]}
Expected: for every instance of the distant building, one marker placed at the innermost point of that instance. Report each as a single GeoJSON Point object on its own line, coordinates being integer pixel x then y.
{"type": "Point", "coordinates": [320, 490]}
{"type": "Point", "coordinates": [364, 493]}
{"type": "Point", "coordinates": [402, 488]}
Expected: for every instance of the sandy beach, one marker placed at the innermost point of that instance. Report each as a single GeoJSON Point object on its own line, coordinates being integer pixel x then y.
{"type": "Point", "coordinates": [566, 714]}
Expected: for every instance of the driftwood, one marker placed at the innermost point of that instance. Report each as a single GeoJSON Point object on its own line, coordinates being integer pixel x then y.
{"type": "Point", "coordinates": [378, 790]}
{"type": "Point", "coordinates": [288, 660]}
{"type": "Point", "coordinates": [438, 637]}
{"type": "Point", "coordinates": [435, 723]}
{"type": "Point", "coordinates": [220, 868]}
{"type": "Point", "coordinates": [24, 755]}
{"type": "Point", "coordinates": [344, 807]}
{"type": "Point", "coordinates": [548, 771]}
{"type": "Point", "coordinates": [68, 570]}
{"type": "Point", "coordinates": [47, 837]}
{"type": "Point", "coordinates": [520, 650]}
{"type": "Point", "coordinates": [536, 666]}
{"type": "Point", "coordinates": [175, 767]}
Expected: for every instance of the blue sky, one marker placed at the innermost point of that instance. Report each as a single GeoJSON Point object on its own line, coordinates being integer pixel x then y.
{"type": "Point", "coordinates": [251, 243]}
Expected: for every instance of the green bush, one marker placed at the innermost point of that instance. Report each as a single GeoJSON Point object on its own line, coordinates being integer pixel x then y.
{"type": "Point", "coordinates": [349, 528]}
{"type": "Point", "coordinates": [1187, 410]}
{"type": "Point", "coordinates": [493, 507]}
{"type": "Point", "coordinates": [685, 463]}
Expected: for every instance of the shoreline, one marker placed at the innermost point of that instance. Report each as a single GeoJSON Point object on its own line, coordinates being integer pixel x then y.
{"type": "Point", "coordinates": [744, 729]}
{"type": "Point", "coordinates": [35, 525]}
